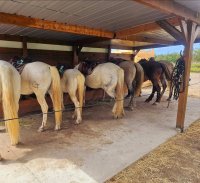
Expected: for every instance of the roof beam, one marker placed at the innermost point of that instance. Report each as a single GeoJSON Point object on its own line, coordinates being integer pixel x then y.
{"type": "Point", "coordinates": [172, 7]}
{"type": "Point", "coordinates": [173, 31]}
{"type": "Point", "coordinates": [144, 28]}
{"type": "Point", "coordinates": [149, 40]}
{"type": "Point", "coordinates": [24, 21]}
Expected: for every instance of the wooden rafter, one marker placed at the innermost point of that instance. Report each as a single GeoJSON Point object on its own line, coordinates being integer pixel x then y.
{"type": "Point", "coordinates": [149, 40]}
{"type": "Point", "coordinates": [144, 28]}
{"type": "Point", "coordinates": [173, 31]}
{"type": "Point", "coordinates": [172, 7]}
{"type": "Point", "coordinates": [50, 25]}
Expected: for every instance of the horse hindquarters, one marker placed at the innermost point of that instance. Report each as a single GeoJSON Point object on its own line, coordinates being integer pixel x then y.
{"type": "Point", "coordinates": [10, 99]}
{"type": "Point", "coordinates": [139, 79]}
{"type": "Point", "coordinates": [118, 109]}
{"type": "Point", "coordinates": [56, 95]}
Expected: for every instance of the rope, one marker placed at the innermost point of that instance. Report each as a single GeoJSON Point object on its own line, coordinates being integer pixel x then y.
{"type": "Point", "coordinates": [178, 84]}
{"type": "Point", "coordinates": [98, 103]}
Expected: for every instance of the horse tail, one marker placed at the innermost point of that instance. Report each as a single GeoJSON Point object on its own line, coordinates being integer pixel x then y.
{"type": "Point", "coordinates": [166, 71]}
{"type": "Point", "coordinates": [57, 95]}
{"type": "Point", "coordinates": [81, 90]}
{"type": "Point", "coordinates": [120, 93]}
{"type": "Point", "coordinates": [10, 104]}
{"type": "Point", "coordinates": [139, 78]}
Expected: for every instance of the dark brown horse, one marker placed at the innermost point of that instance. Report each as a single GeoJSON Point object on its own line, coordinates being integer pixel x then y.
{"type": "Point", "coordinates": [156, 72]}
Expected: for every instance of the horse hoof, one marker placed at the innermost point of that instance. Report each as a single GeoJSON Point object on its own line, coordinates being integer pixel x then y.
{"type": "Point", "coordinates": [78, 122]}
{"type": "Point", "coordinates": [168, 99]}
{"type": "Point", "coordinates": [147, 100]}
{"type": "Point", "coordinates": [41, 129]}
{"type": "Point", "coordinates": [57, 127]}
{"type": "Point", "coordinates": [118, 116]}
{"type": "Point", "coordinates": [130, 108]}
{"type": "Point", "coordinates": [155, 103]}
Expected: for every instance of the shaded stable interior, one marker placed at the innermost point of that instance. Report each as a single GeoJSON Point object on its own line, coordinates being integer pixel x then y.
{"type": "Point", "coordinates": [85, 29]}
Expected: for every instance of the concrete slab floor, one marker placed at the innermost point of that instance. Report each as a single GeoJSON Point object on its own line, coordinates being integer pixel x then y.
{"type": "Point", "coordinates": [93, 151]}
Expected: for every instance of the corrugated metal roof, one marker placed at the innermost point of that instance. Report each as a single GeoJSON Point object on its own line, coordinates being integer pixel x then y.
{"type": "Point", "coordinates": [192, 4]}
{"type": "Point", "coordinates": [110, 15]}
{"type": "Point", "coordinates": [39, 33]}
{"type": "Point", "coordinates": [106, 14]}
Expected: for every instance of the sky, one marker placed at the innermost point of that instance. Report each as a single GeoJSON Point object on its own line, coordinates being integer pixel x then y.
{"type": "Point", "coordinates": [173, 49]}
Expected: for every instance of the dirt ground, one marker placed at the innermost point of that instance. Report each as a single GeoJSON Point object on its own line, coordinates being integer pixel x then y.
{"type": "Point", "coordinates": [93, 151]}
{"type": "Point", "coordinates": [175, 161]}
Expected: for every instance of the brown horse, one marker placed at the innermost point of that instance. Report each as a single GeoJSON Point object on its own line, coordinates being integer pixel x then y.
{"type": "Point", "coordinates": [133, 78]}
{"type": "Point", "coordinates": [155, 72]}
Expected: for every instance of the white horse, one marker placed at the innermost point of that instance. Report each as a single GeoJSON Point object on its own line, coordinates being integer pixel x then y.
{"type": "Point", "coordinates": [10, 85]}
{"type": "Point", "coordinates": [73, 83]}
{"type": "Point", "coordinates": [41, 78]}
{"type": "Point", "coordinates": [110, 78]}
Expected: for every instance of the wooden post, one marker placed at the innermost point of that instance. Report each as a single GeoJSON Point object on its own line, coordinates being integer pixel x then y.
{"type": "Point", "coordinates": [76, 50]}
{"type": "Point", "coordinates": [135, 52]}
{"type": "Point", "coordinates": [24, 47]}
{"type": "Point", "coordinates": [189, 35]}
{"type": "Point", "coordinates": [109, 52]}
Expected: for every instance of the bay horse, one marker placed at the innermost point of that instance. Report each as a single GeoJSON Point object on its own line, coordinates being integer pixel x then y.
{"type": "Point", "coordinates": [155, 72]}
{"type": "Point", "coordinates": [107, 76]}
{"type": "Point", "coordinates": [73, 83]}
{"type": "Point", "coordinates": [40, 78]}
{"type": "Point", "coordinates": [10, 86]}
{"type": "Point", "coordinates": [133, 78]}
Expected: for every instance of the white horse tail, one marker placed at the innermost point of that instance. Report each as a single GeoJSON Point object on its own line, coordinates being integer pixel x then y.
{"type": "Point", "coordinates": [120, 93]}
{"type": "Point", "coordinates": [10, 104]}
{"type": "Point", "coordinates": [81, 90]}
{"type": "Point", "coordinates": [139, 78]}
{"type": "Point", "coordinates": [57, 95]}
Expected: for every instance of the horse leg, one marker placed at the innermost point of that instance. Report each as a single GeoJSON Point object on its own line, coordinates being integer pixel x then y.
{"type": "Point", "coordinates": [170, 90]}
{"type": "Point", "coordinates": [41, 100]}
{"type": "Point", "coordinates": [132, 102]}
{"type": "Point", "coordinates": [158, 94]}
{"type": "Point", "coordinates": [77, 111]}
{"type": "Point", "coordinates": [152, 94]}
{"type": "Point", "coordinates": [164, 84]}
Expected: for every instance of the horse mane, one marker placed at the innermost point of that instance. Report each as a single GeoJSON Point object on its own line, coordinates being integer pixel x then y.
{"type": "Point", "coordinates": [152, 59]}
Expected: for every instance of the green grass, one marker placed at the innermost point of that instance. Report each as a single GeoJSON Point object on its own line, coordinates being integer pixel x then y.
{"type": "Point", "coordinates": [195, 67]}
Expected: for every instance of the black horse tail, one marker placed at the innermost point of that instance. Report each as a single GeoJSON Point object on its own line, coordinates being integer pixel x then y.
{"type": "Point", "coordinates": [166, 71]}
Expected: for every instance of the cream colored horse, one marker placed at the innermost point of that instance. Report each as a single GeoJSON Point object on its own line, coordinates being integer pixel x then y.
{"type": "Point", "coordinates": [73, 83]}
{"type": "Point", "coordinates": [40, 78]}
{"type": "Point", "coordinates": [10, 85]}
{"type": "Point", "coordinates": [109, 77]}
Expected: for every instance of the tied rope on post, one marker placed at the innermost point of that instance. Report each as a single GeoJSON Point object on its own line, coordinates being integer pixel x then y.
{"type": "Point", "coordinates": [178, 81]}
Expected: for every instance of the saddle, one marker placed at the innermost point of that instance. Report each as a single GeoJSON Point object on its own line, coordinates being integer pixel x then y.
{"type": "Point", "coordinates": [19, 63]}
{"type": "Point", "coordinates": [87, 67]}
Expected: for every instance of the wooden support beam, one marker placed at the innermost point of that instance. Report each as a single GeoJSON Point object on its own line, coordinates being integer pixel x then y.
{"type": "Point", "coordinates": [109, 52]}
{"type": "Point", "coordinates": [24, 21]}
{"type": "Point", "coordinates": [171, 30]}
{"type": "Point", "coordinates": [144, 28]}
{"type": "Point", "coordinates": [182, 102]}
{"type": "Point", "coordinates": [24, 47]}
{"type": "Point", "coordinates": [76, 50]}
{"type": "Point", "coordinates": [149, 40]}
{"type": "Point", "coordinates": [135, 52]}
{"type": "Point", "coordinates": [172, 7]}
